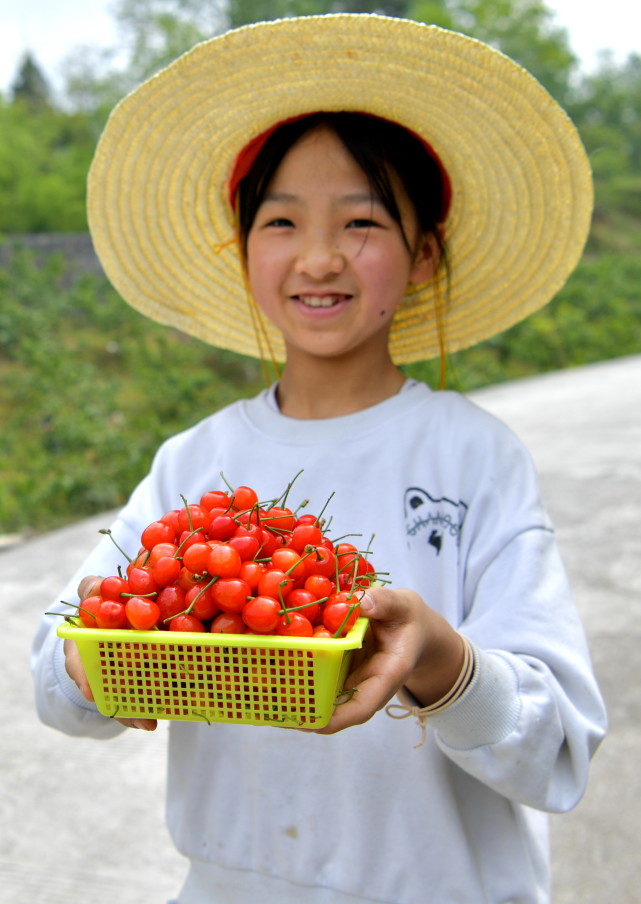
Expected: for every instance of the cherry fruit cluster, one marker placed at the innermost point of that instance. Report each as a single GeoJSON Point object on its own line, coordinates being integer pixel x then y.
{"type": "Point", "coordinates": [232, 565]}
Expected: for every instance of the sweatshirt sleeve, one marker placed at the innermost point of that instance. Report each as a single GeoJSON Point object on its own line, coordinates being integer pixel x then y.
{"type": "Point", "coordinates": [532, 716]}
{"type": "Point", "coordinates": [59, 703]}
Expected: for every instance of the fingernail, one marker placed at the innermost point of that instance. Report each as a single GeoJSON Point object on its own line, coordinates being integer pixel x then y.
{"type": "Point", "coordinates": [138, 724]}
{"type": "Point", "coordinates": [367, 604]}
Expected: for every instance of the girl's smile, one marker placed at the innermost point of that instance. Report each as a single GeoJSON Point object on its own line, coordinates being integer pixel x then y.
{"type": "Point", "coordinates": [326, 261]}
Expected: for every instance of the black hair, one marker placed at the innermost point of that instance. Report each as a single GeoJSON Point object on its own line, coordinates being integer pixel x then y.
{"type": "Point", "coordinates": [378, 146]}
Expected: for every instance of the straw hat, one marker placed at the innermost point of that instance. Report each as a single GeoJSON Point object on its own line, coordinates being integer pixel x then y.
{"type": "Point", "coordinates": [158, 200]}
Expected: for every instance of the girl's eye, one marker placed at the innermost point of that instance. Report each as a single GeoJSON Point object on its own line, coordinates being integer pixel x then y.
{"type": "Point", "coordinates": [361, 223]}
{"type": "Point", "coordinates": [279, 222]}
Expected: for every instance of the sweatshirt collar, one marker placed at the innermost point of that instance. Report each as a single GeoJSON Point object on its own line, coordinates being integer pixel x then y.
{"type": "Point", "coordinates": [263, 412]}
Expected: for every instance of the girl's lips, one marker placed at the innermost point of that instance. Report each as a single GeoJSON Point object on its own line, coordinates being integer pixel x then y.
{"type": "Point", "coordinates": [329, 300]}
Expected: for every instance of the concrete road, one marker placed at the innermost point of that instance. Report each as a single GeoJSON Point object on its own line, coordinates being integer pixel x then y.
{"type": "Point", "coordinates": [82, 821]}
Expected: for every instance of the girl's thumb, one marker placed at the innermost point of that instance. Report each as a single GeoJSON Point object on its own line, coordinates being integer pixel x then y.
{"type": "Point", "coordinates": [368, 605]}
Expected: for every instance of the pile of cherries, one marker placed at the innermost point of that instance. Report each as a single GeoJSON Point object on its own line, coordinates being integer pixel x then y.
{"type": "Point", "coordinates": [232, 565]}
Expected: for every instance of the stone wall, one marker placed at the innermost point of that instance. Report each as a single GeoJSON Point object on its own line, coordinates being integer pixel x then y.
{"type": "Point", "coordinates": [75, 247]}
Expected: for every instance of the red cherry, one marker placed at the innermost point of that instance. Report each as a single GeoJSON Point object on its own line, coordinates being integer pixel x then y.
{"type": "Point", "coordinates": [186, 623]}
{"type": "Point", "coordinates": [215, 499]}
{"type": "Point", "coordinates": [294, 625]}
{"type": "Point", "coordinates": [170, 601]}
{"type": "Point", "coordinates": [228, 623]}
{"type": "Point", "coordinates": [157, 532]}
{"type": "Point", "coordinates": [166, 570]}
{"type": "Point", "coordinates": [224, 561]}
{"type": "Point", "coordinates": [111, 614]}
{"type": "Point", "coordinates": [275, 583]}
{"type": "Point", "coordinates": [230, 594]}
{"type": "Point", "coordinates": [199, 601]}
{"type": "Point", "coordinates": [88, 611]}
{"type": "Point", "coordinates": [142, 614]}
{"type": "Point", "coordinates": [244, 498]}
{"type": "Point", "coordinates": [112, 587]}
{"type": "Point", "coordinates": [260, 614]}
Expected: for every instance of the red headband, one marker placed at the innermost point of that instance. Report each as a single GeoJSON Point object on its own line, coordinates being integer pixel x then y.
{"type": "Point", "coordinates": [250, 152]}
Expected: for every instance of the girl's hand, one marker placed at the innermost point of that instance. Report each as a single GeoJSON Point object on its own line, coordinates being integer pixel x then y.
{"type": "Point", "coordinates": [75, 669]}
{"type": "Point", "coordinates": [408, 644]}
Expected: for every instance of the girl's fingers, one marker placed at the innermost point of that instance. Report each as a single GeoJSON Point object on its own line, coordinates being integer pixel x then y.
{"type": "Point", "coordinates": [76, 672]}
{"type": "Point", "coordinates": [361, 701]}
{"type": "Point", "coordinates": [407, 644]}
{"type": "Point", "coordinates": [75, 669]}
{"type": "Point", "coordinates": [143, 724]}
{"type": "Point", "coordinates": [89, 586]}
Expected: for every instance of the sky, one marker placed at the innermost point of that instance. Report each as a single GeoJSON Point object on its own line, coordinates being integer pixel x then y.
{"type": "Point", "coordinates": [51, 29]}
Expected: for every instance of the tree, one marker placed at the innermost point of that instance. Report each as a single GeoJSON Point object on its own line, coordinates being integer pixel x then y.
{"type": "Point", "coordinates": [607, 112]}
{"type": "Point", "coordinates": [30, 87]}
{"type": "Point", "coordinates": [43, 166]}
{"type": "Point", "coordinates": [523, 29]}
{"type": "Point", "coordinates": [155, 32]}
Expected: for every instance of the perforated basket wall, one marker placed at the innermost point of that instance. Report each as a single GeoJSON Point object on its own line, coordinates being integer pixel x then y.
{"type": "Point", "coordinates": [286, 681]}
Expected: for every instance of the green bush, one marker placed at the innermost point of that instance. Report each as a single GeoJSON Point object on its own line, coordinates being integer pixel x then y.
{"type": "Point", "coordinates": [90, 388]}
{"type": "Point", "coordinates": [594, 317]}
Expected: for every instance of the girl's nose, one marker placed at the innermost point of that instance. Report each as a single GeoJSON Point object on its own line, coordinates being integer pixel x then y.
{"type": "Point", "coordinates": [318, 258]}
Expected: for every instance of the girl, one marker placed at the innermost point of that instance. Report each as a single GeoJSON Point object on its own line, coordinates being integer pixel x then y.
{"type": "Point", "coordinates": [346, 193]}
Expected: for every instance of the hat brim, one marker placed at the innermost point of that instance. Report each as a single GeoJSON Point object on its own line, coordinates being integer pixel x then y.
{"type": "Point", "coordinates": [522, 195]}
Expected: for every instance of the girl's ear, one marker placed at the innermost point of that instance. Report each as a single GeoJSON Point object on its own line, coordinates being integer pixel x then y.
{"type": "Point", "coordinates": [426, 259]}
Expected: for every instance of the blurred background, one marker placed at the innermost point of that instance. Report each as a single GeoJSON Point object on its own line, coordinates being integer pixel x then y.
{"type": "Point", "coordinates": [89, 388]}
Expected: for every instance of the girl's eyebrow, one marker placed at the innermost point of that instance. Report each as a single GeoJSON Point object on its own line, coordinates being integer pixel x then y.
{"type": "Point", "coordinates": [283, 197]}
{"type": "Point", "coordinates": [280, 197]}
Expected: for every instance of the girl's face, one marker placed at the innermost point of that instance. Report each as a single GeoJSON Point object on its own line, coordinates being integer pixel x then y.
{"type": "Point", "coordinates": [326, 262]}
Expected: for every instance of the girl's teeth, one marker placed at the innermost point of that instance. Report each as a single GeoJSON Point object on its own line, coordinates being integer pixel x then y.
{"type": "Point", "coordinates": [314, 301]}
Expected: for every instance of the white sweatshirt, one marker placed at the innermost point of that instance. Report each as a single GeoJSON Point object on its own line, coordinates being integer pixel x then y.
{"type": "Point", "coordinates": [452, 499]}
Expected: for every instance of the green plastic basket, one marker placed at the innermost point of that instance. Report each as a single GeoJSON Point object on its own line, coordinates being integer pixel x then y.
{"type": "Point", "coordinates": [293, 682]}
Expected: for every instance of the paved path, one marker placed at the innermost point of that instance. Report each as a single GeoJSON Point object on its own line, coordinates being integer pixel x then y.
{"type": "Point", "coordinates": [82, 821]}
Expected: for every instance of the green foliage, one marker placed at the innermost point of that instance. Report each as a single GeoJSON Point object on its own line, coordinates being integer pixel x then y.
{"type": "Point", "coordinates": [523, 29]}
{"type": "Point", "coordinates": [89, 389]}
{"type": "Point", "coordinates": [595, 316]}
{"type": "Point", "coordinates": [30, 86]}
{"type": "Point", "coordinates": [44, 159]}
{"type": "Point", "coordinates": [155, 32]}
{"type": "Point", "coordinates": [607, 111]}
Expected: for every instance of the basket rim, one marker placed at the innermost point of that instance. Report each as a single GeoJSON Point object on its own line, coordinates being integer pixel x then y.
{"type": "Point", "coordinates": [71, 630]}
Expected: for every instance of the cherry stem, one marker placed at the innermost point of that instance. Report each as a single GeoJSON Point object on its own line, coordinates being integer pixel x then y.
{"type": "Point", "coordinates": [193, 531]}
{"type": "Point", "coordinates": [285, 610]}
{"type": "Point", "coordinates": [77, 606]}
{"type": "Point", "coordinates": [319, 517]}
{"type": "Point", "coordinates": [226, 482]}
{"type": "Point", "coordinates": [312, 550]}
{"type": "Point", "coordinates": [111, 537]}
{"type": "Point", "coordinates": [283, 498]}
{"type": "Point", "coordinates": [187, 611]}
{"type": "Point", "coordinates": [304, 606]}
{"type": "Point", "coordinates": [344, 537]}
{"type": "Point", "coordinates": [190, 522]}
{"type": "Point", "coordinates": [339, 632]}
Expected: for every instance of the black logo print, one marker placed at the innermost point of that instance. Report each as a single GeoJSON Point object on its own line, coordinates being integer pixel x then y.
{"type": "Point", "coordinates": [437, 519]}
